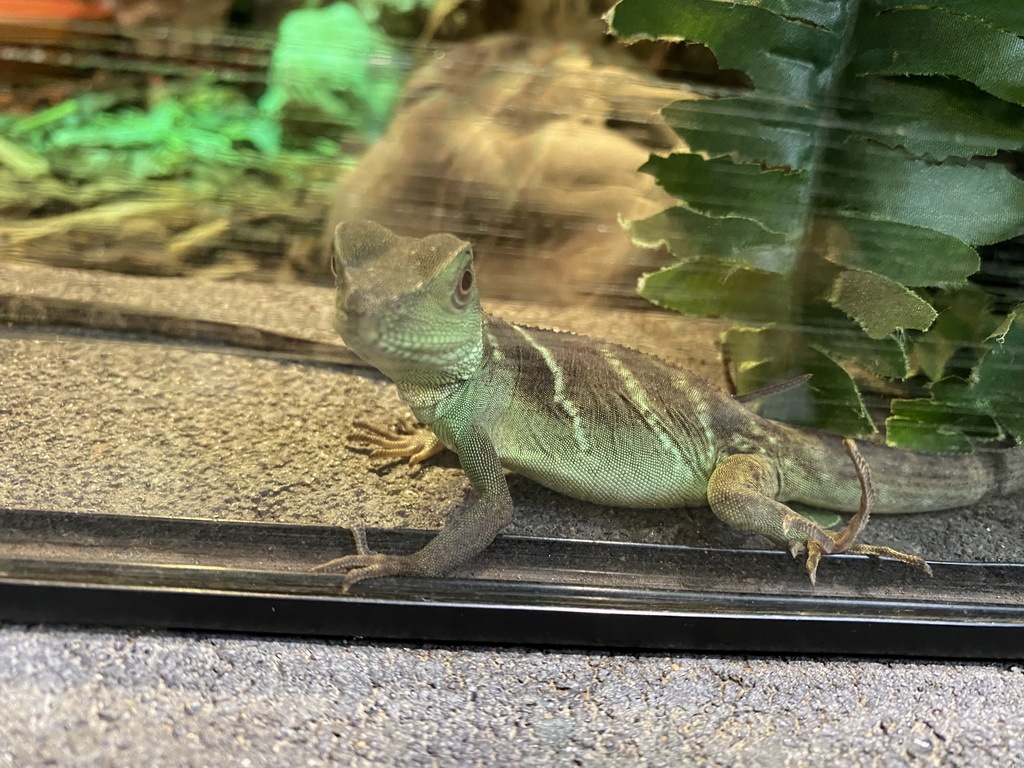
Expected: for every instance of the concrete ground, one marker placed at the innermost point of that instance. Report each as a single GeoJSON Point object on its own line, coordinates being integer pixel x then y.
{"type": "Point", "coordinates": [91, 424]}
{"type": "Point", "coordinates": [80, 697]}
{"type": "Point", "coordinates": [93, 697]}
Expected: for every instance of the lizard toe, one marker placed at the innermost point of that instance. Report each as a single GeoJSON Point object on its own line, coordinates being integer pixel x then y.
{"type": "Point", "coordinates": [368, 566]}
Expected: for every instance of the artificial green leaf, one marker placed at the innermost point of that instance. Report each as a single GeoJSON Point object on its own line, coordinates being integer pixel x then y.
{"type": "Point", "coordinates": [1013, 422]}
{"type": "Point", "coordinates": [864, 185]}
{"type": "Point", "coordinates": [772, 132]}
{"type": "Point", "coordinates": [935, 116]}
{"type": "Point", "coordinates": [824, 13]}
{"type": "Point", "coordinates": [1005, 14]}
{"type": "Point", "coordinates": [722, 188]}
{"type": "Point", "coordinates": [880, 305]}
{"type": "Point", "coordinates": [689, 236]}
{"type": "Point", "coordinates": [912, 256]}
{"type": "Point", "coordinates": [712, 289]}
{"type": "Point", "coordinates": [781, 56]}
{"type": "Point", "coordinates": [822, 518]}
{"type": "Point", "coordinates": [998, 376]}
{"type": "Point", "coordinates": [996, 380]}
{"type": "Point", "coordinates": [952, 420]}
{"type": "Point", "coordinates": [975, 205]}
{"type": "Point", "coordinates": [837, 402]}
{"type": "Point", "coordinates": [829, 400]}
{"type": "Point", "coordinates": [921, 436]}
{"type": "Point", "coordinates": [961, 411]}
{"type": "Point", "coordinates": [951, 417]}
{"type": "Point", "coordinates": [964, 322]}
{"type": "Point", "coordinates": [842, 339]}
{"type": "Point", "coordinates": [893, 45]}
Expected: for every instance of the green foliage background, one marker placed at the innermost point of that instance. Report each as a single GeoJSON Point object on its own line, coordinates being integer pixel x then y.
{"type": "Point", "coordinates": [835, 209]}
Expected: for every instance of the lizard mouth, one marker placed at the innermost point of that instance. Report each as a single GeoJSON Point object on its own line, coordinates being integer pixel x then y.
{"type": "Point", "coordinates": [374, 341]}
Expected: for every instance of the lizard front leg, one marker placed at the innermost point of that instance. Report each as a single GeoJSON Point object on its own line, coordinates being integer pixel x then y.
{"type": "Point", "coordinates": [464, 535]}
{"type": "Point", "coordinates": [742, 491]}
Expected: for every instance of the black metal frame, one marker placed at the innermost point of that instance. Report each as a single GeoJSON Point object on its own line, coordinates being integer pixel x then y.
{"type": "Point", "coordinates": [201, 574]}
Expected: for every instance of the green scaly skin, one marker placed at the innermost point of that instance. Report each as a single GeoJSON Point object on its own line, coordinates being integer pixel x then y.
{"type": "Point", "coordinates": [601, 422]}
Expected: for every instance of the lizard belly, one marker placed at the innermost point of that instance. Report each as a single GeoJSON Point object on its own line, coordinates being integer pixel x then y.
{"type": "Point", "coordinates": [641, 471]}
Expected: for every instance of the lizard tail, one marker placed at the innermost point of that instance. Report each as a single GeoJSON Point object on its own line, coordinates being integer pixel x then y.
{"type": "Point", "coordinates": [1009, 472]}
{"type": "Point", "coordinates": [821, 474]}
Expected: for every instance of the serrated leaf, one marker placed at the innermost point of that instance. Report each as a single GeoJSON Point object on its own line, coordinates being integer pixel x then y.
{"type": "Point", "coordinates": [998, 376]}
{"type": "Point", "coordinates": [985, 408]}
{"type": "Point", "coordinates": [767, 131]}
{"type": "Point", "coordinates": [911, 256]}
{"type": "Point", "coordinates": [878, 304]}
{"type": "Point", "coordinates": [963, 417]}
{"type": "Point", "coordinates": [1013, 422]}
{"type": "Point", "coordinates": [1005, 14]}
{"type": "Point", "coordinates": [996, 381]}
{"type": "Point", "coordinates": [865, 191]}
{"type": "Point", "coordinates": [712, 289]}
{"type": "Point", "coordinates": [842, 339]}
{"type": "Point", "coordinates": [824, 13]}
{"type": "Point", "coordinates": [829, 400]}
{"type": "Point", "coordinates": [1005, 326]}
{"type": "Point", "coordinates": [950, 421]}
{"type": "Point", "coordinates": [721, 188]}
{"type": "Point", "coordinates": [975, 205]}
{"type": "Point", "coordinates": [935, 116]}
{"type": "Point", "coordinates": [781, 56]}
{"type": "Point", "coordinates": [690, 236]}
{"type": "Point", "coordinates": [964, 322]}
{"type": "Point", "coordinates": [993, 60]}
{"type": "Point", "coordinates": [914, 436]}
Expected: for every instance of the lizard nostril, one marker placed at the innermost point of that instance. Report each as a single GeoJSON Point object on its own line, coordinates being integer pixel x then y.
{"type": "Point", "coordinates": [357, 303]}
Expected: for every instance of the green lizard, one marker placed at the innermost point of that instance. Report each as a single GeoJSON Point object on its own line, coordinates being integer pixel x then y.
{"type": "Point", "coordinates": [600, 422]}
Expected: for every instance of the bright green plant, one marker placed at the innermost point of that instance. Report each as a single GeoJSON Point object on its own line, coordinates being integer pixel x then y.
{"type": "Point", "coordinates": [371, 9]}
{"type": "Point", "coordinates": [334, 61]}
{"type": "Point", "coordinates": [835, 208]}
{"type": "Point", "coordinates": [184, 129]}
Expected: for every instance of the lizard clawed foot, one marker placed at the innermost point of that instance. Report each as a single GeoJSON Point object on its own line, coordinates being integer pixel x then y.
{"type": "Point", "coordinates": [369, 566]}
{"type": "Point", "coordinates": [407, 440]}
{"type": "Point", "coordinates": [820, 541]}
{"type": "Point", "coordinates": [366, 564]}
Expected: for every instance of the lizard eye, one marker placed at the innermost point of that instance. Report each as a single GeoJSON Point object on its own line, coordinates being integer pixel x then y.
{"type": "Point", "coordinates": [466, 281]}
{"type": "Point", "coordinates": [463, 287]}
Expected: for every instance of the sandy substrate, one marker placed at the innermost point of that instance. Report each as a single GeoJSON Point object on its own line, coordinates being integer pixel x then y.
{"type": "Point", "coordinates": [90, 422]}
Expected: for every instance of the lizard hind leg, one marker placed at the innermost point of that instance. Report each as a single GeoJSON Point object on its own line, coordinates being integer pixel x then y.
{"type": "Point", "coordinates": [742, 491]}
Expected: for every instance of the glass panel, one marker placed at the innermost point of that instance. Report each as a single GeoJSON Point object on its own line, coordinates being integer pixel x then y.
{"type": "Point", "coordinates": [176, 406]}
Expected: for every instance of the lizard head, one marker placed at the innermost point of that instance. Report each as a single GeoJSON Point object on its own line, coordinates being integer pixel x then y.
{"type": "Point", "coordinates": [408, 306]}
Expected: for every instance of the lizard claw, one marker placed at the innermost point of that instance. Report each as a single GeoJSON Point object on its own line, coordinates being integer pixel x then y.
{"type": "Point", "coordinates": [406, 440]}
{"type": "Point", "coordinates": [820, 541]}
{"type": "Point", "coordinates": [367, 564]}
